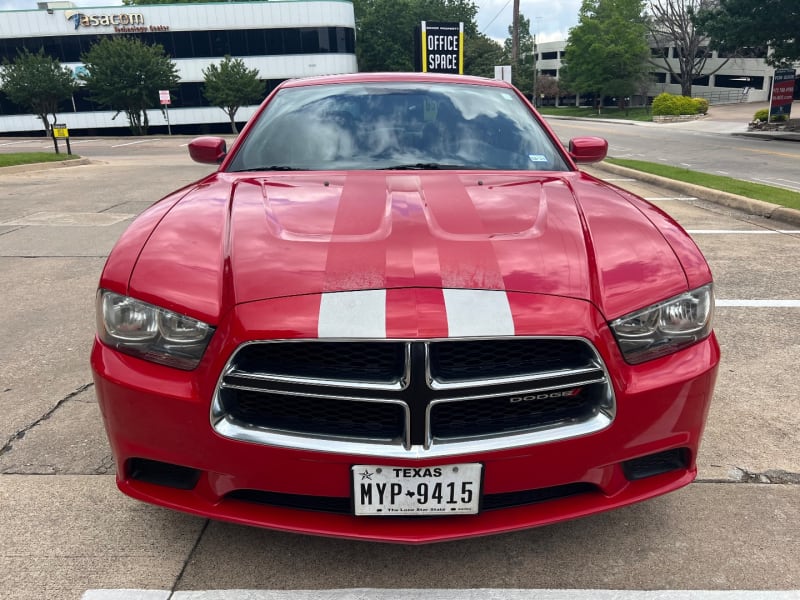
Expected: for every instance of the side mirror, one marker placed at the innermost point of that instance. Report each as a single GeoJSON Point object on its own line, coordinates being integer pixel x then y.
{"type": "Point", "coordinates": [588, 149]}
{"type": "Point", "coordinates": [210, 150]}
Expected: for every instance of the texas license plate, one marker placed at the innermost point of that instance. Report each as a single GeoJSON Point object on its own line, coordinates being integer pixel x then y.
{"type": "Point", "coordinates": [394, 491]}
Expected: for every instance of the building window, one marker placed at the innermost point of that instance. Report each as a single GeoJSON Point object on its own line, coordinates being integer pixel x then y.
{"type": "Point", "coordinates": [549, 55]}
{"type": "Point", "coordinates": [757, 52]}
{"type": "Point", "coordinates": [739, 81]}
{"type": "Point", "coordinates": [659, 77]}
{"type": "Point", "coordinates": [201, 44]}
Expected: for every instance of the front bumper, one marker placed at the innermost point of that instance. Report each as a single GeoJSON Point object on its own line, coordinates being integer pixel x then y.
{"type": "Point", "coordinates": [159, 418]}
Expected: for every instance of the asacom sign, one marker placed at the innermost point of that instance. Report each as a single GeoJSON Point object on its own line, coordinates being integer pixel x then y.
{"type": "Point", "coordinates": [122, 22]}
{"type": "Point", "coordinates": [442, 47]}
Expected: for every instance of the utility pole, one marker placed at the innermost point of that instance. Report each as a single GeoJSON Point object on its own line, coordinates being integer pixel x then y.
{"type": "Point", "coordinates": [535, 91]}
{"type": "Point", "coordinates": [515, 35]}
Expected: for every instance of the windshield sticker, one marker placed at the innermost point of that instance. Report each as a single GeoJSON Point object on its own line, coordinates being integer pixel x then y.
{"type": "Point", "coordinates": [537, 158]}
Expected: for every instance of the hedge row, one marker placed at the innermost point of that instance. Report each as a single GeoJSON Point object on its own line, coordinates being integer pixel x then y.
{"type": "Point", "coordinates": [667, 104]}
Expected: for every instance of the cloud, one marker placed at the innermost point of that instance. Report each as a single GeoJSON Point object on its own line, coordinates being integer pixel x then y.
{"type": "Point", "coordinates": [31, 4]}
{"type": "Point", "coordinates": [550, 20]}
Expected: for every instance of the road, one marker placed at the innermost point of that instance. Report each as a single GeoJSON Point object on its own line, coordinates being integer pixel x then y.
{"type": "Point", "coordinates": [705, 145]}
{"type": "Point", "coordinates": [66, 533]}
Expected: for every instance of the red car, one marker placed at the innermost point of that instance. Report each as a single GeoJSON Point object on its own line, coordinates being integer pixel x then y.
{"type": "Point", "coordinates": [397, 311]}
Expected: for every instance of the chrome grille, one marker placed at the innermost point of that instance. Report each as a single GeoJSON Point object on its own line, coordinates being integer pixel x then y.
{"type": "Point", "coordinates": [401, 397]}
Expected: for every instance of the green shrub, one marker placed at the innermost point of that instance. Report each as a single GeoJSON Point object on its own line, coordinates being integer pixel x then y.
{"type": "Point", "coordinates": [668, 104]}
{"type": "Point", "coordinates": [701, 105]}
{"type": "Point", "coordinates": [686, 105]}
{"type": "Point", "coordinates": [761, 115]}
{"type": "Point", "coordinates": [664, 104]}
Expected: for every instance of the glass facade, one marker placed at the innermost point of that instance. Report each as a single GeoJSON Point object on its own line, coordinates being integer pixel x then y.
{"type": "Point", "coordinates": [201, 44]}
{"type": "Point", "coordinates": [184, 45]}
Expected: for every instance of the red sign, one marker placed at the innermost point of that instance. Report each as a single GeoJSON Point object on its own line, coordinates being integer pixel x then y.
{"type": "Point", "coordinates": [163, 96]}
{"type": "Point", "coordinates": [782, 93]}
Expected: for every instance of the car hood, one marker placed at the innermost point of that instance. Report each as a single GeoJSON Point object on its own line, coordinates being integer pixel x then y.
{"type": "Point", "coordinates": [239, 239]}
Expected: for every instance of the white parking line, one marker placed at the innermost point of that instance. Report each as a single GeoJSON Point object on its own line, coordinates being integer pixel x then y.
{"type": "Point", "coordinates": [136, 142]}
{"type": "Point", "coordinates": [784, 183]}
{"type": "Point", "coordinates": [744, 231]}
{"type": "Point", "coordinates": [440, 594]}
{"type": "Point", "coordinates": [16, 143]}
{"type": "Point", "coordinates": [669, 198]}
{"type": "Point", "coordinates": [83, 142]}
{"type": "Point", "coordinates": [758, 303]}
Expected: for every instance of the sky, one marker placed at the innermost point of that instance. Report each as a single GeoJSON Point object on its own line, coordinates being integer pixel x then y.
{"type": "Point", "coordinates": [550, 19]}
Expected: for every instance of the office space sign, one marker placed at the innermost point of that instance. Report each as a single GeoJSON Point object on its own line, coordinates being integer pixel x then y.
{"type": "Point", "coordinates": [441, 47]}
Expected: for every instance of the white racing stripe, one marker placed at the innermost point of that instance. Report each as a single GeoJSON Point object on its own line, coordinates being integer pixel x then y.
{"type": "Point", "coordinates": [478, 313]}
{"type": "Point", "coordinates": [439, 594]}
{"type": "Point", "coordinates": [360, 314]}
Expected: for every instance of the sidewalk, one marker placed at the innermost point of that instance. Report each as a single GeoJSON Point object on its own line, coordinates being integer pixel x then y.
{"type": "Point", "coordinates": [730, 119]}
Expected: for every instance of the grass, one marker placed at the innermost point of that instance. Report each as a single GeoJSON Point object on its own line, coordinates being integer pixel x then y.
{"type": "Point", "coordinates": [632, 114]}
{"type": "Point", "coordinates": [757, 191]}
{"type": "Point", "coordinates": [27, 158]}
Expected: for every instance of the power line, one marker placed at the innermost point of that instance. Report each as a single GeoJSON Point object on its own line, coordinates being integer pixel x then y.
{"type": "Point", "coordinates": [495, 17]}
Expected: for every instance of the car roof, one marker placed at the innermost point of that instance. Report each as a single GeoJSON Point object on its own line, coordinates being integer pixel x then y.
{"type": "Point", "coordinates": [394, 78]}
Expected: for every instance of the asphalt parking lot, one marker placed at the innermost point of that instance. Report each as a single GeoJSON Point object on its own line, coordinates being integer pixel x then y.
{"type": "Point", "coordinates": [65, 532]}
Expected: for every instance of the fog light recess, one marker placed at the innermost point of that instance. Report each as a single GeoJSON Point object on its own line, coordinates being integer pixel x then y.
{"type": "Point", "coordinates": [656, 464]}
{"type": "Point", "coordinates": [161, 473]}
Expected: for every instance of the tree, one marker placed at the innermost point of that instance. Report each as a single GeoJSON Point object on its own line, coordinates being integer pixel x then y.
{"type": "Point", "coordinates": [606, 53]}
{"type": "Point", "coordinates": [232, 85]}
{"type": "Point", "coordinates": [145, 2]}
{"type": "Point", "coordinates": [752, 23]}
{"type": "Point", "coordinates": [481, 55]}
{"type": "Point", "coordinates": [38, 83]}
{"type": "Point", "coordinates": [547, 86]}
{"type": "Point", "coordinates": [126, 74]}
{"type": "Point", "coordinates": [522, 69]}
{"type": "Point", "coordinates": [385, 29]}
{"type": "Point", "coordinates": [671, 25]}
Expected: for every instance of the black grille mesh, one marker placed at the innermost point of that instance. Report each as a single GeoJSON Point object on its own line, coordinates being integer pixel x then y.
{"type": "Point", "coordinates": [362, 389]}
{"type": "Point", "coordinates": [482, 359]}
{"type": "Point", "coordinates": [344, 505]}
{"type": "Point", "coordinates": [363, 361]}
{"type": "Point", "coordinates": [477, 417]}
{"type": "Point", "coordinates": [321, 416]}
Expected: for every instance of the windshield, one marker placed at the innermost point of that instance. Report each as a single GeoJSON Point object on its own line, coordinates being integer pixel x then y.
{"type": "Point", "coordinates": [397, 126]}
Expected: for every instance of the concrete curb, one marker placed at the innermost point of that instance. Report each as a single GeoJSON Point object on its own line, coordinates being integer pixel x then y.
{"type": "Point", "coordinates": [748, 205]}
{"type": "Point", "coordinates": [45, 166]}
{"type": "Point", "coordinates": [770, 135]}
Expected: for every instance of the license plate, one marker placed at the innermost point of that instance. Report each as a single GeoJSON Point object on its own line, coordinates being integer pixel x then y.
{"type": "Point", "coordinates": [394, 491]}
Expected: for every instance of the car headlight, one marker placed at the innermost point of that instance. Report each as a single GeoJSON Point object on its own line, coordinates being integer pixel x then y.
{"type": "Point", "coordinates": [665, 327]}
{"type": "Point", "coordinates": [149, 332]}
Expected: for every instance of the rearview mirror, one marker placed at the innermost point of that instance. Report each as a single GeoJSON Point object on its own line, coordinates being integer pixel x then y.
{"type": "Point", "coordinates": [210, 150]}
{"type": "Point", "coordinates": [588, 149]}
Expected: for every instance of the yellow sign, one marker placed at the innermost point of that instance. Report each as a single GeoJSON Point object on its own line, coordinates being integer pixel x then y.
{"type": "Point", "coordinates": [60, 131]}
